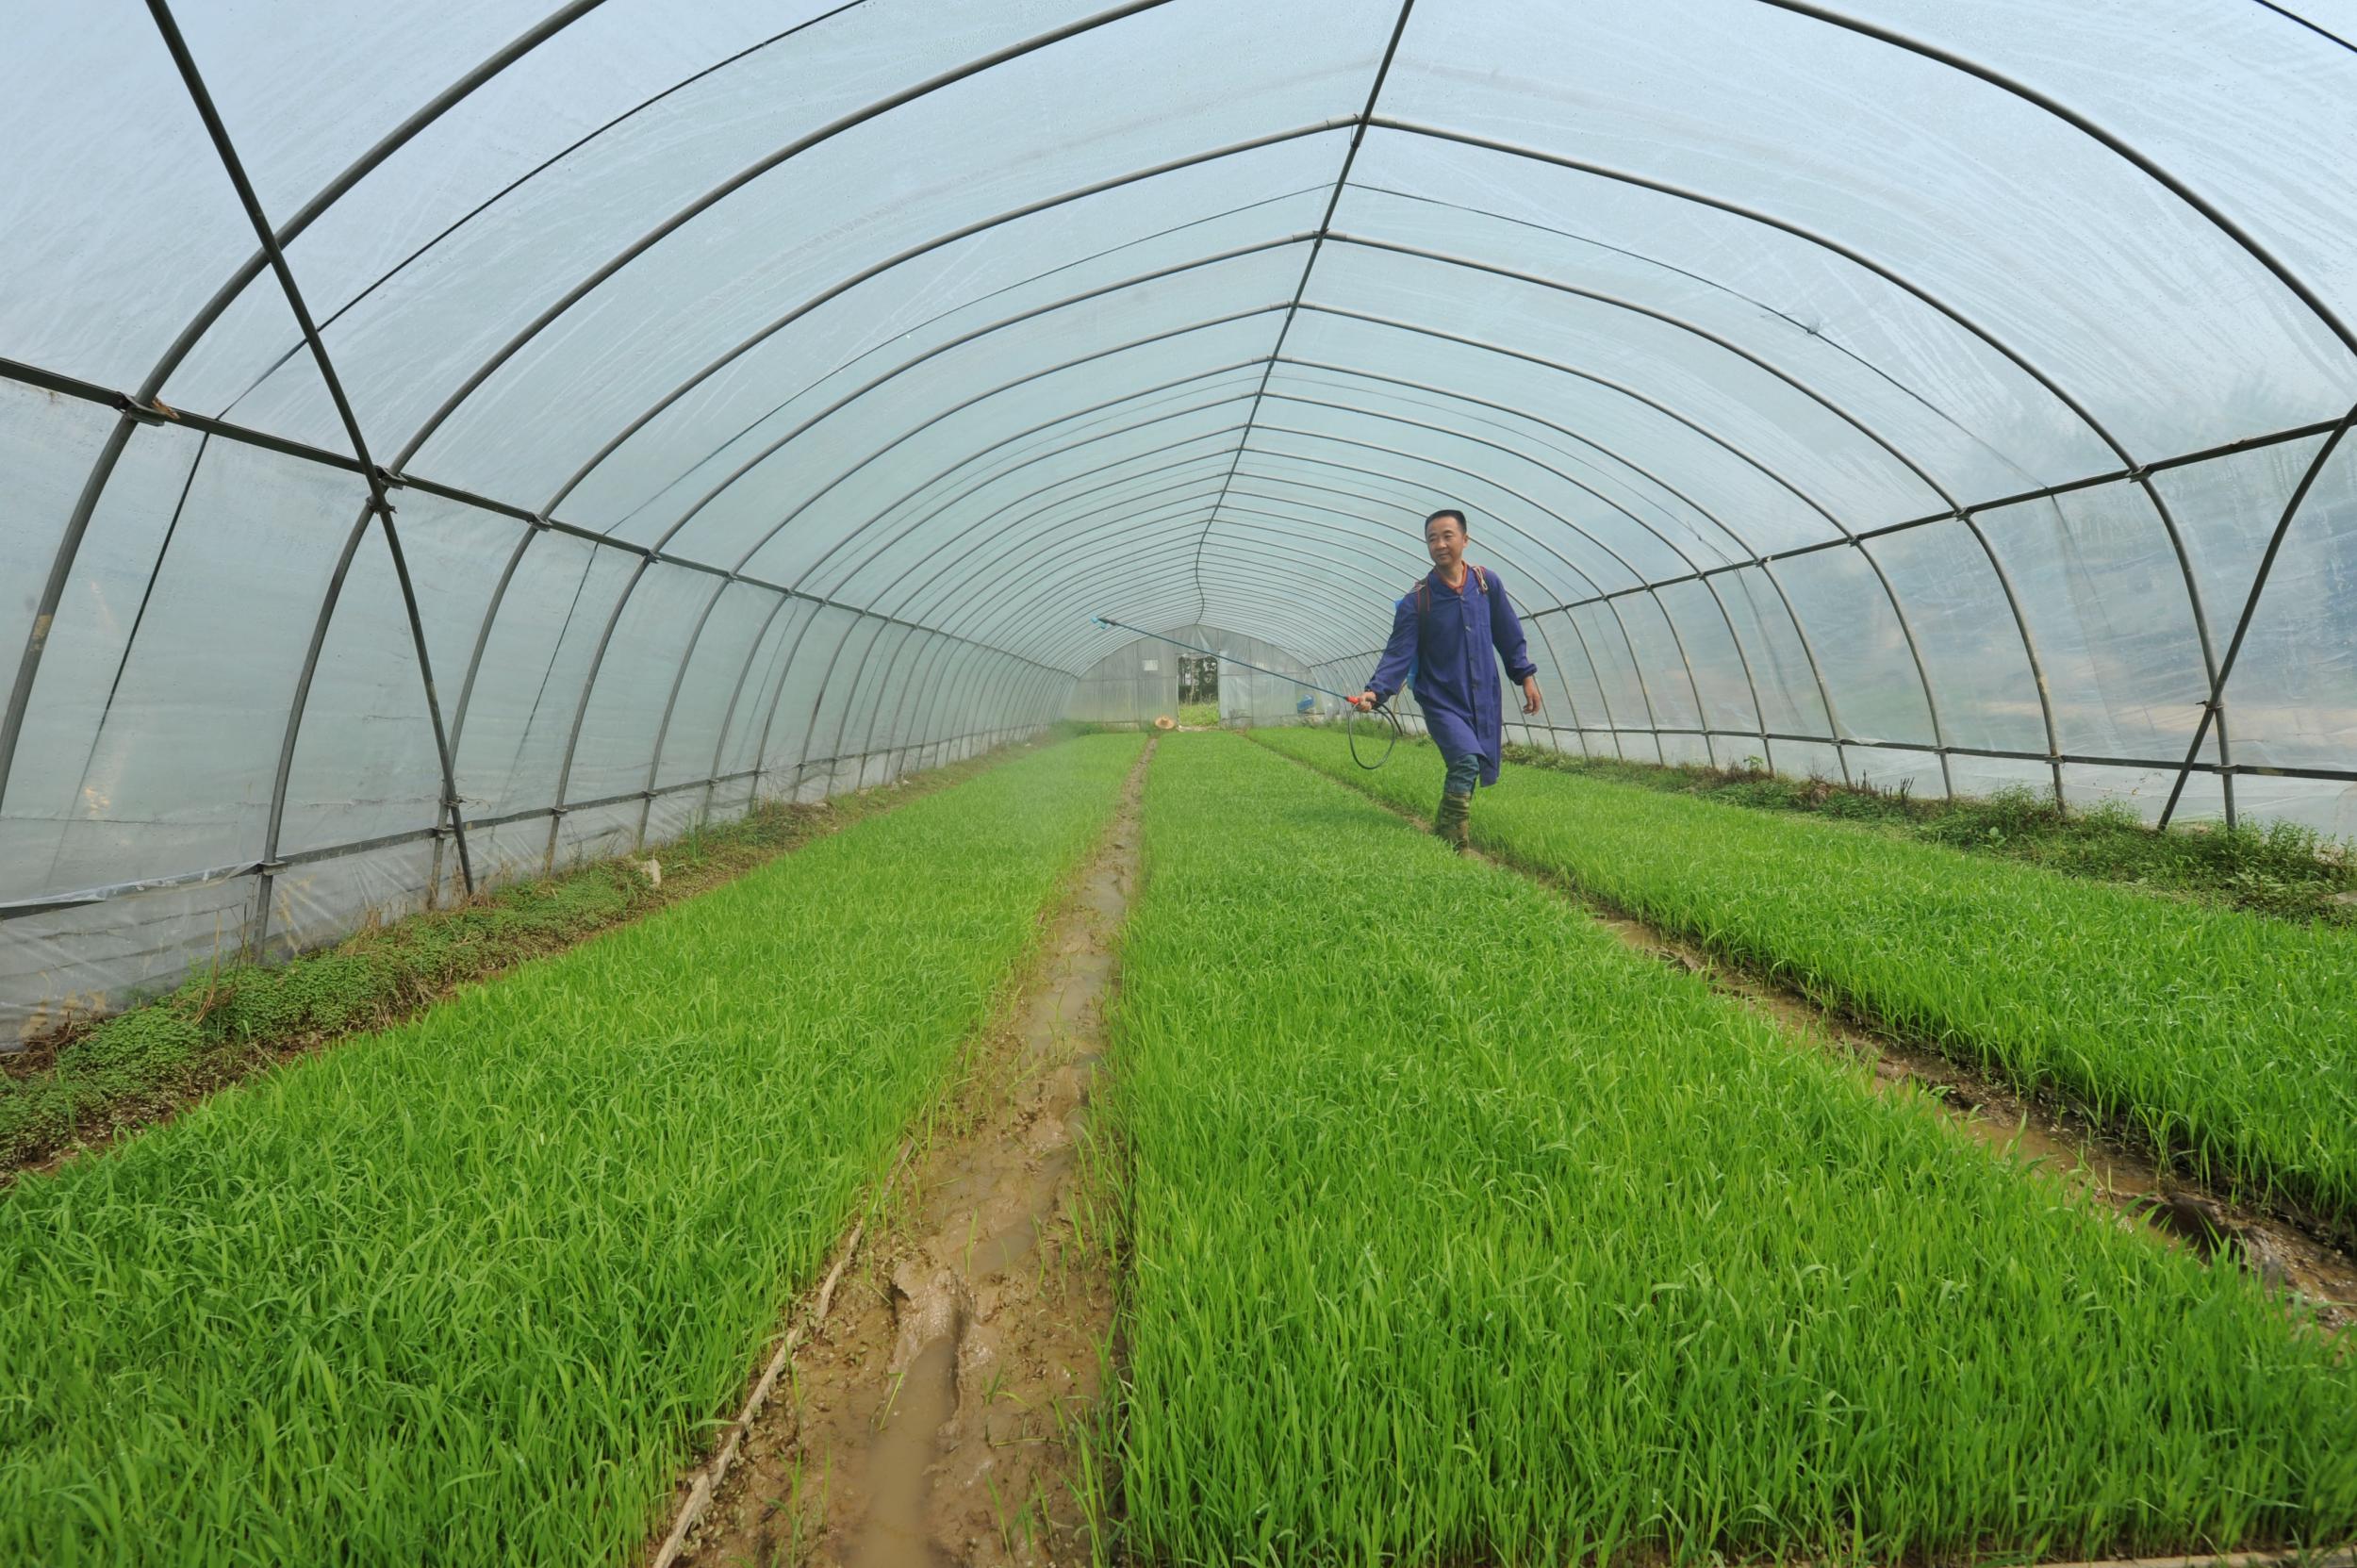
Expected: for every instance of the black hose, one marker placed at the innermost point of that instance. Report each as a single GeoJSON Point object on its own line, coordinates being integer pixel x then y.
{"type": "Point", "coordinates": [1390, 732]}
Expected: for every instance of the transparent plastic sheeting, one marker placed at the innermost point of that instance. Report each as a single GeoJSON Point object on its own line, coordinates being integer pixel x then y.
{"type": "Point", "coordinates": [1260, 682]}
{"type": "Point", "coordinates": [771, 392]}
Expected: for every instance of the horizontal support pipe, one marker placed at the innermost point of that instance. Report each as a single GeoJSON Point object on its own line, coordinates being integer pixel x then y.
{"type": "Point", "coordinates": [82, 897]}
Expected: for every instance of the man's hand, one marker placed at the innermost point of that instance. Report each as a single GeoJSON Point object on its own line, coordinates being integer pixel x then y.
{"type": "Point", "coordinates": [1364, 701]}
{"type": "Point", "coordinates": [1530, 694]}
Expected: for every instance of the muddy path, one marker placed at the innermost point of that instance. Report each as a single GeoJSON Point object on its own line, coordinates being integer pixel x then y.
{"type": "Point", "coordinates": [931, 1418]}
{"type": "Point", "coordinates": [2283, 1250]}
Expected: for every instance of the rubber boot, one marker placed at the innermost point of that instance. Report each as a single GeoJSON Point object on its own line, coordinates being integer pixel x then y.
{"type": "Point", "coordinates": [1456, 810]}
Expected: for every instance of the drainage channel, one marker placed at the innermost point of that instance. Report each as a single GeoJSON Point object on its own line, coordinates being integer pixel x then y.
{"type": "Point", "coordinates": [932, 1421]}
{"type": "Point", "coordinates": [2283, 1255]}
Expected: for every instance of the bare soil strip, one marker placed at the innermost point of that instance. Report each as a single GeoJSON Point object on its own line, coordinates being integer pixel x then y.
{"type": "Point", "coordinates": [2286, 1255]}
{"type": "Point", "coordinates": [933, 1420]}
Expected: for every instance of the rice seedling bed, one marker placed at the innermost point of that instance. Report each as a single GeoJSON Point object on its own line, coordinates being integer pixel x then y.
{"type": "Point", "coordinates": [2220, 1040]}
{"type": "Point", "coordinates": [93, 1083]}
{"type": "Point", "coordinates": [470, 1290]}
{"type": "Point", "coordinates": [1460, 1232]}
{"type": "Point", "coordinates": [2279, 868]}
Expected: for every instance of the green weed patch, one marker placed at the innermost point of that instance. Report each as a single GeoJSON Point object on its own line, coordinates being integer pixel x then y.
{"type": "Point", "coordinates": [1460, 1233]}
{"type": "Point", "coordinates": [471, 1289]}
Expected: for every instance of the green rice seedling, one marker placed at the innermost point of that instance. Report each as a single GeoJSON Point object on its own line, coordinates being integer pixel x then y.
{"type": "Point", "coordinates": [472, 1290]}
{"type": "Point", "coordinates": [111, 1075]}
{"type": "Point", "coordinates": [1460, 1233]}
{"type": "Point", "coordinates": [2279, 868]}
{"type": "Point", "coordinates": [2224, 1040]}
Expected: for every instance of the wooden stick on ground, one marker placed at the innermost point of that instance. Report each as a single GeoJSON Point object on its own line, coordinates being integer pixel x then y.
{"type": "Point", "coordinates": [708, 1481]}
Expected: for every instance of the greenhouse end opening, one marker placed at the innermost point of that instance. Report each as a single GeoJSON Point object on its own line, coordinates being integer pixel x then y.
{"type": "Point", "coordinates": [1171, 782]}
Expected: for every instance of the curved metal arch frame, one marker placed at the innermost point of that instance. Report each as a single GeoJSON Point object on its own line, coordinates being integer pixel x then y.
{"type": "Point", "coordinates": [1746, 556]}
{"type": "Point", "coordinates": [1081, 642]}
{"type": "Point", "coordinates": [837, 290]}
{"type": "Point", "coordinates": [110, 452]}
{"type": "Point", "coordinates": [915, 625]}
{"type": "Point", "coordinates": [931, 421]}
{"type": "Point", "coordinates": [1693, 684]}
{"type": "Point", "coordinates": [484, 629]}
{"type": "Point", "coordinates": [2123, 149]}
{"type": "Point", "coordinates": [923, 673]}
{"type": "Point", "coordinates": [1595, 674]}
{"type": "Point", "coordinates": [1668, 319]}
{"type": "Point", "coordinates": [1611, 490]}
{"type": "Point", "coordinates": [1089, 549]}
{"type": "Point", "coordinates": [1636, 663]}
{"type": "Point", "coordinates": [1947, 496]}
{"type": "Point", "coordinates": [597, 657]}
{"type": "Point", "coordinates": [1363, 470]}
{"type": "Point", "coordinates": [914, 363]}
{"type": "Point", "coordinates": [2136, 471]}
{"type": "Point", "coordinates": [1735, 637]}
{"type": "Point", "coordinates": [499, 593]}
{"type": "Point", "coordinates": [892, 509]}
{"type": "Point", "coordinates": [1064, 521]}
{"type": "Point", "coordinates": [894, 505]}
{"type": "Point", "coordinates": [2115, 144]}
{"type": "Point", "coordinates": [1931, 701]}
{"type": "Point", "coordinates": [1140, 514]}
{"type": "Point", "coordinates": [820, 693]}
{"type": "Point", "coordinates": [1000, 510]}
{"type": "Point", "coordinates": [1384, 588]}
{"type": "Point", "coordinates": [940, 686]}
{"type": "Point", "coordinates": [746, 176]}
{"type": "Point", "coordinates": [1034, 694]}
{"type": "Point", "coordinates": [670, 705]}
{"type": "Point", "coordinates": [736, 694]}
{"type": "Point", "coordinates": [597, 662]}
{"type": "Point", "coordinates": [550, 161]}
{"type": "Point", "coordinates": [1595, 669]}
{"type": "Point", "coordinates": [2213, 707]}
{"type": "Point", "coordinates": [859, 682]}
{"type": "Point", "coordinates": [933, 689]}
{"type": "Point", "coordinates": [376, 506]}
{"type": "Point", "coordinates": [1325, 223]}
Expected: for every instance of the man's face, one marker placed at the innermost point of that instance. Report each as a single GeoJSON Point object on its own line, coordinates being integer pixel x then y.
{"type": "Point", "coordinates": [1444, 541]}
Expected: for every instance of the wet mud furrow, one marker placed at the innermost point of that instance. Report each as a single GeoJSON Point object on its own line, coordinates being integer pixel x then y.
{"type": "Point", "coordinates": [2285, 1255]}
{"type": "Point", "coordinates": [932, 1419]}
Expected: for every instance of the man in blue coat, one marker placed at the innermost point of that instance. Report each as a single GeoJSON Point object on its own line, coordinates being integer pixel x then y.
{"type": "Point", "coordinates": [1448, 636]}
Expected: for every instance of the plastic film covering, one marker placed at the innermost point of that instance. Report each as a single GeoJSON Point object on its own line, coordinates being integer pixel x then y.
{"type": "Point", "coordinates": [766, 398]}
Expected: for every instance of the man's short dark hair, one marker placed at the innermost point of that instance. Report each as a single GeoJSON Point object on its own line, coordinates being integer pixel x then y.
{"type": "Point", "coordinates": [1454, 516]}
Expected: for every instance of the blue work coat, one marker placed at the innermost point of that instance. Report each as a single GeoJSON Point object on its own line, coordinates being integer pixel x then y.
{"type": "Point", "coordinates": [1455, 676]}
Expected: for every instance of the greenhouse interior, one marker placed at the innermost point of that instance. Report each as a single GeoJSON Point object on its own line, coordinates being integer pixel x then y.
{"type": "Point", "coordinates": [1363, 781]}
